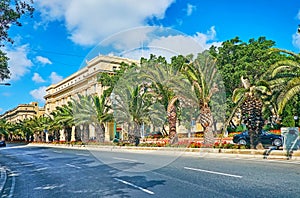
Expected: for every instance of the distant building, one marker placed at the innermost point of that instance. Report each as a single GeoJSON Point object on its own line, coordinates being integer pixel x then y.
{"type": "Point", "coordinates": [22, 112]}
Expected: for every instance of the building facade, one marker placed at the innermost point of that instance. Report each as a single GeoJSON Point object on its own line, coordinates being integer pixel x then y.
{"type": "Point", "coordinates": [22, 112]}
{"type": "Point", "coordinates": [83, 82]}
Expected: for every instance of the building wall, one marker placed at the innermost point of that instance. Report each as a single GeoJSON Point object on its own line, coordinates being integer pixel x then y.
{"type": "Point", "coordinates": [23, 111]}
{"type": "Point", "coordinates": [83, 82]}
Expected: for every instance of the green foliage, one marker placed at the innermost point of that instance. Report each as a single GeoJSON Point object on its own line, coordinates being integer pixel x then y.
{"type": "Point", "coordinates": [236, 58]}
{"type": "Point", "coordinates": [10, 13]}
{"type": "Point", "coordinates": [285, 78]}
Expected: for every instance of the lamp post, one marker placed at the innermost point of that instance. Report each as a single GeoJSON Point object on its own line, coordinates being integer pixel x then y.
{"type": "Point", "coordinates": [113, 100]}
{"type": "Point", "coordinates": [296, 120]}
{"type": "Point", "coordinates": [5, 84]}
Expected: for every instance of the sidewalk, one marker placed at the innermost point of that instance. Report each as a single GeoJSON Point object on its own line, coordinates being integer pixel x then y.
{"type": "Point", "coordinates": [202, 152]}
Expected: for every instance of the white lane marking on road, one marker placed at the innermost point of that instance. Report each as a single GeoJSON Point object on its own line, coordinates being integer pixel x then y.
{"type": "Point", "coordinates": [40, 169]}
{"type": "Point", "coordinates": [73, 166]}
{"type": "Point", "coordinates": [212, 172]}
{"type": "Point", "coordinates": [135, 186]}
{"type": "Point", "coordinates": [125, 159]}
{"type": "Point", "coordinates": [12, 188]}
{"type": "Point", "coordinates": [4, 177]}
{"type": "Point", "coordinates": [82, 154]}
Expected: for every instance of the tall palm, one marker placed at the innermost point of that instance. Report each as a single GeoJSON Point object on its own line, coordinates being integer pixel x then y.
{"type": "Point", "coordinates": [24, 129]}
{"type": "Point", "coordinates": [204, 78]}
{"type": "Point", "coordinates": [4, 129]}
{"type": "Point", "coordinates": [250, 99]}
{"type": "Point", "coordinates": [64, 116]}
{"type": "Point", "coordinates": [163, 80]}
{"type": "Point", "coordinates": [131, 107]}
{"type": "Point", "coordinates": [286, 78]}
{"type": "Point", "coordinates": [93, 110]}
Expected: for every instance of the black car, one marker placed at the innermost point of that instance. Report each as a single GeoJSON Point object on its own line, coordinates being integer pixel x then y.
{"type": "Point", "coordinates": [266, 138]}
{"type": "Point", "coordinates": [2, 144]}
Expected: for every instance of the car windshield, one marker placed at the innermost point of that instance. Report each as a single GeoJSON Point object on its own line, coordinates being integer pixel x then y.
{"type": "Point", "coordinates": [263, 132]}
{"type": "Point", "coordinates": [245, 133]}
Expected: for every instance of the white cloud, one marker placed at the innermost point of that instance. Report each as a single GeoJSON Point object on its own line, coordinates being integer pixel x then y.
{"type": "Point", "coordinates": [55, 78]}
{"type": "Point", "coordinates": [88, 22]}
{"type": "Point", "coordinates": [166, 42]}
{"type": "Point", "coordinates": [298, 15]}
{"type": "Point", "coordinates": [190, 8]}
{"type": "Point", "coordinates": [205, 40]}
{"type": "Point", "coordinates": [183, 44]}
{"type": "Point", "coordinates": [296, 40]}
{"type": "Point", "coordinates": [39, 93]}
{"type": "Point", "coordinates": [18, 62]}
{"type": "Point", "coordinates": [37, 78]}
{"type": "Point", "coordinates": [43, 60]}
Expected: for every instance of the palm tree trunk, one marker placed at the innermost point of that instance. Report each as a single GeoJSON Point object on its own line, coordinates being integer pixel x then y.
{"type": "Point", "coordinates": [252, 117]}
{"type": "Point", "coordinates": [172, 119]}
{"type": "Point", "coordinates": [206, 120]}
{"type": "Point", "coordinates": [100, 130]}
{"type": "Point", "coordinates": [85, 133]}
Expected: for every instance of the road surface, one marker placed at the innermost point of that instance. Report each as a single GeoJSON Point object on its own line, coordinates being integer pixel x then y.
{"type": "Point", "coordinates": [32, 171]}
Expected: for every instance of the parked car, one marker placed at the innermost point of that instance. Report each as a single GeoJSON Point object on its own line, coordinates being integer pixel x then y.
{"type": "Point", "coordinates": [156, 134]}
{"type": "Point", "coordinates": [2, 144]}
{"type": "Point", "coordinates": [266, 138]}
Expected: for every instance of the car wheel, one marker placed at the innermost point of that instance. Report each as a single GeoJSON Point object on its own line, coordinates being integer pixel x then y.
{"type": "Point", "coordinates": [277, 142]}
{"type": "Point", "coordinates": [242, 142]}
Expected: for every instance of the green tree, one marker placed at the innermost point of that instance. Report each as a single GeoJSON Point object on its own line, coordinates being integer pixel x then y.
{"type": "Point", "coordinates": [236, 58]}
{"type": "Point", "coordinates": [64, 117]}
{"type": "Point", "coordinates": [4, 125]}
{"type": "Point", "coordinates": [108, 80]}
{"type": "Point", "coordinates": [285, 77]}
{"type": "Point", "coordinates": [10, 13]}
{"type": "Point", "coordinates": [206, 82]}
{"type": "Point", "coordinates": [131, 107]}
{"type": "Point", "coordinates": [250, 100]}
{"type": "Point", "coordinates": [93, 110]}
{"type": "Point", "coordinates": [164, 80]}
{"type": "Point", "coordinates": [24, 128]}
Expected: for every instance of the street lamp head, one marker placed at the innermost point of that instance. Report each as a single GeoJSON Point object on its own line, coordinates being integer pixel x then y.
{"type": "Point", "coordinates": [6, 84]}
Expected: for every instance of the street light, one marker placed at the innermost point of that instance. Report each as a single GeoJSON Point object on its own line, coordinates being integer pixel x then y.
{"type": "Point", "coordinates": [113, 101]}
{"type": "Point", "coordinates": [5, 84]}
{"type": "Point", "coordinates": [296, 120]}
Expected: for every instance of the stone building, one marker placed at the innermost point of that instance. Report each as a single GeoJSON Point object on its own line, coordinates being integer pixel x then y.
{"type": "Point", "coordinates": [23, 111]}
{"type": "Point", "coordinates": [83, 82]}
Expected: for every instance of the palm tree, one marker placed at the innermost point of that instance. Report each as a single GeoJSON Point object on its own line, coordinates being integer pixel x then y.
{"type": "Point", "coordinates": [285, 76]}
{"type": "Point", "coordinates": [93, 110]}
{"type": "Point", "coordinates": [4, 129]}
{"type": "Point", "coordinates": [250, 101]}
{"type": "Point", "coordinates": [163, 80]}
{"type": "Point", "coordinates": [131, 107]}
{"type": "Point", "coordinates": [24, 129]}
{"type": "Point", "coordinates": [64, 117]}
{"type": "Point", "coordinates": [205, 82]}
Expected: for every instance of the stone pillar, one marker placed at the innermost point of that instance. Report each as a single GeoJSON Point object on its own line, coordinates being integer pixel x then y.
{"type": "Point", "coordinates": [109, 131]}
{"type": "Point", "coordinates": [92, 133]}
{"type": "Point", "coordinates": [47, 137]}
{"type": "Point", "coordinates": [62, 136]}
{"type": "Point", "coordinates": [73, 134]}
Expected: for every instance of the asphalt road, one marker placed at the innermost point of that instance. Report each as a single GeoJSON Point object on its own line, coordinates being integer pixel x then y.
{"type": "Point", "coordinates": [28, 171]}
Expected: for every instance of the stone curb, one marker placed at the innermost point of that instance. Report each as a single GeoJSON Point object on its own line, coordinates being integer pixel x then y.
{"type": "Point", "coordinates": [234, 153]}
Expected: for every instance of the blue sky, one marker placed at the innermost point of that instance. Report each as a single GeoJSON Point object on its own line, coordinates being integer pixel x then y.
{"type": "Point", "coordinates": [63, 34]}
